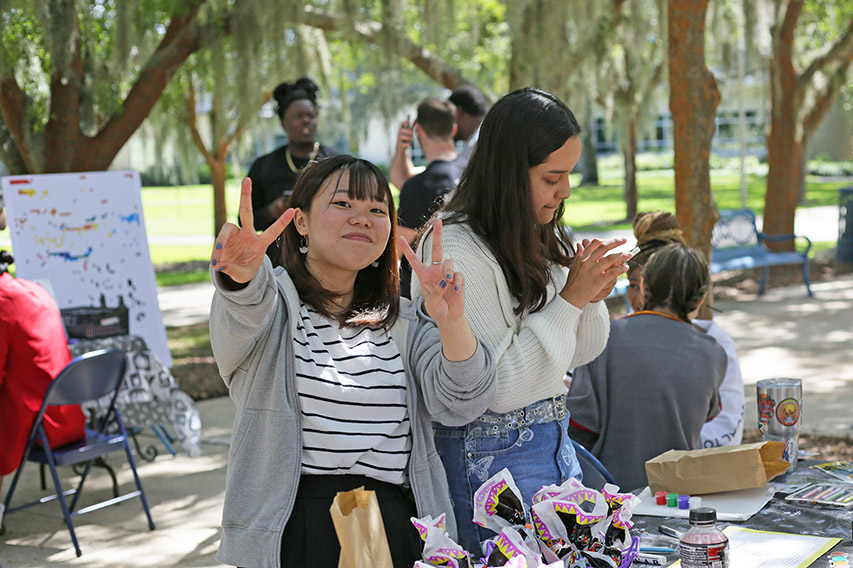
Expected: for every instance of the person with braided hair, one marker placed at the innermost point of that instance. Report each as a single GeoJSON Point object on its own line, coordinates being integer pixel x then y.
{"type": "Point", "coordinates": [657, 381]}
{"type": "Point", "coordinates": [656, 229]}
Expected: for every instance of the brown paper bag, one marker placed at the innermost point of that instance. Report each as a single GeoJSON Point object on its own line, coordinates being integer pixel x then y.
{"type": "Point", "coordinates": [358, 523]}
{"type": "Point", "coordinates": [712, 470]}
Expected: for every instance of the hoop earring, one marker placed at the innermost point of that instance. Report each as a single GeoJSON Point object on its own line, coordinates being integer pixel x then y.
{"type": "Point", "coordinates": [375, 264]}
{"type": "Point", "coordinates": [303, 246]}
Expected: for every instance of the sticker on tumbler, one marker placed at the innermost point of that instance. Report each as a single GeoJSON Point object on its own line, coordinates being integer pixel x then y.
{"type": "Point", "coordinates": [765, 408]}
{"type": "Point", "coordinates": [790, 448]}
{"type": "Point", "coordinates": [788, 412]}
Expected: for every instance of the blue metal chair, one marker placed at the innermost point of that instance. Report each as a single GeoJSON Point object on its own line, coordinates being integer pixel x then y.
{"type": "Point", "coordinates": [595, 475]}
{"type": "Point", "coordinates": [90, 376]}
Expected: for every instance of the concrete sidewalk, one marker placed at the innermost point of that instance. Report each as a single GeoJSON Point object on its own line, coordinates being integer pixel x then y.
{"type": "Point", "coordinates": [185, 496]}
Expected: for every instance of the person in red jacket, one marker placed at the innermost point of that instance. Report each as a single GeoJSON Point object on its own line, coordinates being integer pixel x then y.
{"type": "Point", "coordinates": [33, 350]}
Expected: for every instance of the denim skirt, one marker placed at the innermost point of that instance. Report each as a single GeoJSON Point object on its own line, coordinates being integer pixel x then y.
{"type": "Point", "coordinates": [532, 443]}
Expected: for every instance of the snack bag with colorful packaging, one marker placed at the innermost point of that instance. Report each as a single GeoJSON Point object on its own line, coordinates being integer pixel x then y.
{"type": "Point", "coordinates": [497, 503]}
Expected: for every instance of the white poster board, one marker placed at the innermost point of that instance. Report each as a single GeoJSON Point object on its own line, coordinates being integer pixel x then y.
{"type": "Point", "coordinates": [85, 232]}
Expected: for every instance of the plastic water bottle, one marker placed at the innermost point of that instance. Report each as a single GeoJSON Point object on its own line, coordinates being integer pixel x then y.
{"type": "Point", "coordinates": [704, 545]}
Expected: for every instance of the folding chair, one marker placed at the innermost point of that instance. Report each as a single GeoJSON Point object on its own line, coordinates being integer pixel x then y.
{"type": "Point", "coordinates": [595, 475]}
{"type": "Point", "coordinates": [87, 377]}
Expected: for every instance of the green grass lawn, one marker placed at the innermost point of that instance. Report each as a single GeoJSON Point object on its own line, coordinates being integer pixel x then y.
{"type": "Point", "coordinates": [589, 207]}
{"type": "Point", "coordinates": [187, 211]}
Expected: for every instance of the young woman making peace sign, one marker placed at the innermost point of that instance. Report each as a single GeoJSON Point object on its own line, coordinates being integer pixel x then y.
{"type": "Point", "coordinates": [335, 380]}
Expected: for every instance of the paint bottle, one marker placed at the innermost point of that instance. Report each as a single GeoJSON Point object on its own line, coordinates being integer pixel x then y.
{"type": "Point", "coordinates": [704, 545]}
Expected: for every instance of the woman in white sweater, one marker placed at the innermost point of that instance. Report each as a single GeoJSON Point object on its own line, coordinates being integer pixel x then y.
{"type": "Point", "coordinates": [532, 297]}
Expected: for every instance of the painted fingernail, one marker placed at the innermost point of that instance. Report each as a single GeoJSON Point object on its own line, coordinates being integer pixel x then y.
{"type": "Point", "coordinates": [449, 277]}
{"type": "Point", "coordinates": [213, 262]}
{"type": "Point", "coordinates": [218, 246]}
{"type": "Point", "coordinates": [456, 288]}
{"type": "Point", "coordinates": [443, 284]}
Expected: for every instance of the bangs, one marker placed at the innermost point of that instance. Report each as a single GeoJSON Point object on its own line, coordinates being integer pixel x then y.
{"type": "Point", "coordinates": [366, 182]}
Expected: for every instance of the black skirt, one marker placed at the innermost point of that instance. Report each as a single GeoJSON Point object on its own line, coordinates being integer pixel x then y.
{"type": "Point", "coordinates": [309, 538]}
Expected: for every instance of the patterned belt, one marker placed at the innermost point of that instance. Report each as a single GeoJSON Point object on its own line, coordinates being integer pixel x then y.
{"type": "Point", "coordinates": [547, 410]}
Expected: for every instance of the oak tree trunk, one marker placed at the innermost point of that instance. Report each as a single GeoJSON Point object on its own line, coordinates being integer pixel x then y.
{"type": "Point", "coordinates": [589, 158]}
{"type": "Point", "coordinates": [693, 102]}
{"type": "Point", "coordinates": [792, 120]}
{"type": "Point", "coordinates": [784, 144]}
{"type": "Point", "coordinates": [217, 179]}
{"type": "Point", "coordinates": [629, 155]}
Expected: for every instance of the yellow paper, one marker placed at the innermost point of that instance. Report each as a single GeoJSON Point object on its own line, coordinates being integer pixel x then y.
{"type": "Point", "coordinates": [751, 548]}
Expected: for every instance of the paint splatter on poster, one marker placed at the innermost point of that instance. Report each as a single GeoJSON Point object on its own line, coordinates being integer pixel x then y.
{"type": "Point", "coordinates": [85, 233]}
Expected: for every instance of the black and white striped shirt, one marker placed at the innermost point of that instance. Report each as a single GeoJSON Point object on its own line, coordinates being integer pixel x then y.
{"type": "Point", "coordinates": [352, 391]}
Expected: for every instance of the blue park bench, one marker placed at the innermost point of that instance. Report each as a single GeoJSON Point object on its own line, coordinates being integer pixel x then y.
{"type": "Point", "coordinates": [737, 244]}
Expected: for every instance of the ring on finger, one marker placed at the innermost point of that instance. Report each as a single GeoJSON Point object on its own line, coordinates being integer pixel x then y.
{"type": "Point", "coordinates": [437, 262]}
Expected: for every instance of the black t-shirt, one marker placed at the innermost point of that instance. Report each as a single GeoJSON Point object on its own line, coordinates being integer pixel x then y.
{"type": "Point", "coordinates": [420, 197]}
{"type": "Point", "coordinates": [272, 177]}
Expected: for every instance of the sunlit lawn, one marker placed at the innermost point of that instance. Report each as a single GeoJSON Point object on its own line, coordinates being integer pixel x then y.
{"type": "Point", "coordinates": [590, 207]}
{"type": "Point", "coordinates": [187, 211]}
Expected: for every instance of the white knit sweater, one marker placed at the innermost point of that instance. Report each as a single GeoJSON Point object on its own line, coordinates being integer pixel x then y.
{"type": "Point", "coordinates": [534, 350]}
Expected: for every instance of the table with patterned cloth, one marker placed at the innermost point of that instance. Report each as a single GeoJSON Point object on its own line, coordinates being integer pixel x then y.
{"type": "Point", "coordinates": [778, 515]}
{"type": "Point", "coordinates": [149, 396]}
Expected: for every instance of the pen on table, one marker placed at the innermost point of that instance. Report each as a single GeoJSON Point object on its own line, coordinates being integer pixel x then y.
{"type": "Point", "coordinates": [657, 549]}
{"type": "Point", "coordinates": [669, 531]}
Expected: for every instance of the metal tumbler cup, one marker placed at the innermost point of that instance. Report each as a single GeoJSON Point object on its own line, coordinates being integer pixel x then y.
{"type": "Point", "coordinates": [780, 413]}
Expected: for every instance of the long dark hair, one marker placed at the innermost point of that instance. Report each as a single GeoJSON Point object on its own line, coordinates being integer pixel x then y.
{"type": "Point", "coordinates": [676, 277]}
{"type": "Point", "coordinates": [376, 296]}
{"type": "Point", "coordinates": [519, 132]}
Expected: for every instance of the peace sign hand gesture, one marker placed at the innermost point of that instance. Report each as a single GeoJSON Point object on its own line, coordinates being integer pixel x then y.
{"type": "Point", "coordinates": [444, 298]}
{"type": "Point", "coordinates": [239, 251]}
{"type": "Point", "coordinates": [444, 290]}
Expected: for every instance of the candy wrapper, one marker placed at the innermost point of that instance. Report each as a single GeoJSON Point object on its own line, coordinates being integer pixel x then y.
{"type": "Point", "coordinates": [497, 503]}
{"type": "Point", "coordinates": [572, 526]}
{"type": "Point", "coordinates": [600, 556]}
{"type": "Point", "coordinates": [621, 508]}
{"type": "Point", "coordinates": [427, 525]}
{"type": "Point", "coordinates": [617, 533]}
{"type": "Point", "coordinates": [510, 545]}
{"type": "Point", "coordinates": [583, 514]}
{"type": "Point", "coordinates": [440, 549]}
{"type": "Point", "coordinates": [554, 491]}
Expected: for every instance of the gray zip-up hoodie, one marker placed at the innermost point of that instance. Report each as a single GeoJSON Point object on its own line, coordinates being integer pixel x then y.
{"type": "Point", "coordinates": [251, 331]}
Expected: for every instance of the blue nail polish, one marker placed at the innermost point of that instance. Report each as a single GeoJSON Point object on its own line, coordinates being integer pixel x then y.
{"type": "Point", "coordinates": [213, 262]}
{"type": "Point", "coordinates": [449, 277]}
{"type": "Point", "coordinates": [456, 288]}
{"type": "Point", "coordinates": [443, 284]}
{"type": "Point", "coordinates": [218, 246]}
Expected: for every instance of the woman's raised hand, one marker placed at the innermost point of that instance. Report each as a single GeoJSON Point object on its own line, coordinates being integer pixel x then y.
{"type": "Point", "coordinates": [444, 298]}
{"type": "Point", "coordinates": [444, 290]}
{"type": "Point", "coordinates": [593, 272]}
{"type": "Point", "coordinates": [239, 251]}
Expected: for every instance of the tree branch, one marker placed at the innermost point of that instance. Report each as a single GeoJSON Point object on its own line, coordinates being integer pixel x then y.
{"type": "Point", "coordinates": [182, 38]}
{"type": "Point", "coordinates": [824, 100]}
{"type": "Point", "coordinates": [842, 51]}
{"type": "Point", "coordinates": [9, 154]}
{"type": "Point", "coordinates": [654, 80]}
{"type": "Point", "coordinates": [191, 118]}
{"type": "Point", "coordinates": [62, 131]}
{"type": "Point", "coordinates": [371, 32]}
{"type": "Point", "coordinates": [14, 109]}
